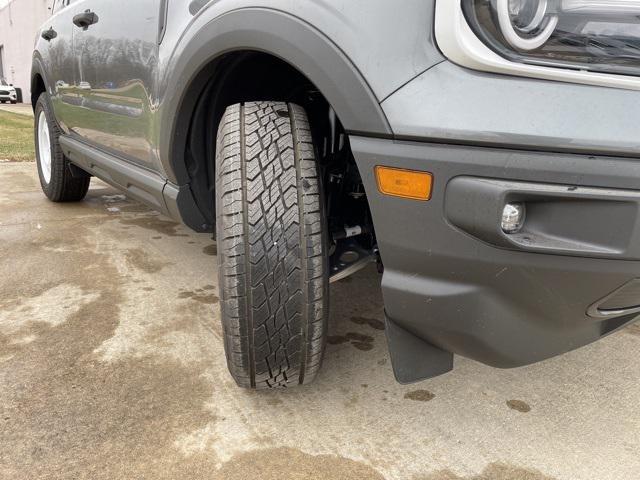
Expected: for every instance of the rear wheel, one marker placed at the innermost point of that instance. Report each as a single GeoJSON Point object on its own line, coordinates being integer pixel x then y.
{"type": "Point", "coordinates": [59, 182]}
{"type": "Point", "coordinates": [273, 268]}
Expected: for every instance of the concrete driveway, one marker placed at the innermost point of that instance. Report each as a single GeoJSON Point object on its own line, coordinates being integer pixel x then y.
{"type": "Point", "coordinates": [19, 108]}
{"type": "Point", "coordinates": [112, 366]}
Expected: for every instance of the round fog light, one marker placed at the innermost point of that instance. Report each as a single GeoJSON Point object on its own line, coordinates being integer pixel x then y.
{"type": "Point", "coordinates": [512, 217]}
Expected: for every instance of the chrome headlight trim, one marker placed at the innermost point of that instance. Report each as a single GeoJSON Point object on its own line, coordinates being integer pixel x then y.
{"type": "Point", "coordinates": [459, 43]}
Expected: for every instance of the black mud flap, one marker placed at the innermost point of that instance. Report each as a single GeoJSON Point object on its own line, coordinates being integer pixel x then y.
{"type": "Point", "coordinates": [412, 358]}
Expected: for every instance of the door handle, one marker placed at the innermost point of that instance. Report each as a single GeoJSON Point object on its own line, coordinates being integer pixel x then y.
{"type": "Point", "coordinates": [85, 19]}
{"type": "Point", "coordinates": [49, 35]}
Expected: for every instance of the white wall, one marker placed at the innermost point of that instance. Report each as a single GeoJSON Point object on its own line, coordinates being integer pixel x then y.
{"type": "Point", "coordinates": [19, 22]}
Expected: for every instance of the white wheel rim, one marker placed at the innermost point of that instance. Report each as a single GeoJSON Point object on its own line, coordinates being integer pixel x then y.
{"type": "Point", "coordinates": [44, 147]}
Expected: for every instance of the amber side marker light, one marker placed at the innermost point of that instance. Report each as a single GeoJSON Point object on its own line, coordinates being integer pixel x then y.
{"type": "Point", "coordinates": [398, 182]}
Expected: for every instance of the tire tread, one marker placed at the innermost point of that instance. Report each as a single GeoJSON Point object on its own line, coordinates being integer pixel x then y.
{"type": "Point", "coordinates": [272, 254]}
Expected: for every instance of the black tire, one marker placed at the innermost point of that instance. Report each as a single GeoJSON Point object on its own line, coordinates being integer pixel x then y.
{"type": "Point", "coordinates": [62, 186]}
{"type": "Point", "coordinates": [13, 102]}
{"type": "Point", "coordinates": [273, 267]}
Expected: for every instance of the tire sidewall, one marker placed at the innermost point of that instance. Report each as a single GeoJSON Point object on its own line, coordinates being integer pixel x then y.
{"type": "Point", "coordinates": [57, 163]}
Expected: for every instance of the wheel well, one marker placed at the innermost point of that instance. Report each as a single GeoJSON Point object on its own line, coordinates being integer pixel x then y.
{"type": "Point", "coordinates": [254, 76]}
{"type": "Point", "coordinates": [237, 77]}
{"type": "Point", "coordinates": [37, 87]}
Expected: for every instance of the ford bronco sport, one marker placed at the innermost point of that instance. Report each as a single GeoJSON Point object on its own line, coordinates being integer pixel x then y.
{"type": "Point", "coordinates": [484, 152]}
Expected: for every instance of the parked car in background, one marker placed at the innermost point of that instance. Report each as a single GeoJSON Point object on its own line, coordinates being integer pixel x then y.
{"type": "Point", "coordinates": [7, 92]}
{"type": "Point", "coordinates": [485, 154]}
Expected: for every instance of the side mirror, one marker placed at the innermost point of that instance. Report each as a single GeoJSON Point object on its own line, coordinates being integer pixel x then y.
{"type": "Point", "coordinates": [11, 84]}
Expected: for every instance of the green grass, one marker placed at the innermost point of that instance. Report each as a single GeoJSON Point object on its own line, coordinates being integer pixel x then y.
{"type": "Point", "coordinates": [16, 137]}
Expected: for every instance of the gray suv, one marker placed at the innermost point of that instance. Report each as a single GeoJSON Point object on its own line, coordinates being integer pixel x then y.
{"type": "Point", "coordinates": [484, 153]}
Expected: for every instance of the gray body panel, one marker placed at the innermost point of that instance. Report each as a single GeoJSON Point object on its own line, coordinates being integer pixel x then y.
{"type": "Point", "coordinates": [452, 281]}
{"type": "Point", "coordinates": [115, 79]}
{"type": "Point", "coordinates": [55, 62]}
{"type": "Point", "coordinates": [386, 44]}
{"type": "Point", "coordinates": [355, 63]}
{"type": "Point", "coordinates": [449, 103]}
{"type": "Point", "coordinates": [129, 99]}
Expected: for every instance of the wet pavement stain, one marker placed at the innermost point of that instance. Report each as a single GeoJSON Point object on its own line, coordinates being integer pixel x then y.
{"type": "Point", "coordinates": [420, 396]}
{"type": "Point", "coordinates": [359, 337]}
{"type": "Point", "coordinates": [141, 260]}
{"type": "Point", "coordinates": [199, 296]}
{"type": "Point", "coordinates": [211, 250]}
{"type": "Point", "coordinates": [371, 322]}
{"type": "Point", "coordinates": [135, 208]}
{"type": "Point", "coordinates": [364, 346]}
{"type": "Point", "coordinates": [67, 415]}
{"type": "Point", "coordinates": [274, 401]}
{"type": "Point", "coordinates": [494, 471]}
{"type": "Point", "coordinates": [519, 406]}
{"type": "Point", "coordinates": [337, 340]}
{"type": "Point", "coordinates": [357, 340]}
{"type": "Point", "coordinates": [105, 420]}
{"type": "Point", "coordinates": [293, 464]}
{"type": "Point", "coordinates": [155, 224]}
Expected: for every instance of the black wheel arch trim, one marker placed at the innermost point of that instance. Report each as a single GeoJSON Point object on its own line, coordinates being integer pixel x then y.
{"type": "Point", "coordinates": [260, 29]}
{"type": "Point", "coordinates": [37, 68]}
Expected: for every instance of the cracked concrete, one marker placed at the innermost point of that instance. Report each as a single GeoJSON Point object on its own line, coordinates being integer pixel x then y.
{"type": "Point", "coordinates": [112, 366]}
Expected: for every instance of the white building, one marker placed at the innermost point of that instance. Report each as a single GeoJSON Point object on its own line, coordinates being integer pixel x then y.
{"type": "Point", "coordinates": [19, 22]}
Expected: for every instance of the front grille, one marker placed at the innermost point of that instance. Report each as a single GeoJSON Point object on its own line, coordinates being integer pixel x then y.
{"type": "Point", "coordinates": [4, 92]}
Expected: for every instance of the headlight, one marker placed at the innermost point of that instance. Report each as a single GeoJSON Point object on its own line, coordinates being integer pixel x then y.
{"type": "Point", "coordinates": [594, 35]}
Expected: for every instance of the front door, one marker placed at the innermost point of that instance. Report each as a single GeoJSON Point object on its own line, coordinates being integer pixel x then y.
{"type": "Point", "coordinates": [57, 54]}
{"type": "Point", "coordinates": [116, 48]}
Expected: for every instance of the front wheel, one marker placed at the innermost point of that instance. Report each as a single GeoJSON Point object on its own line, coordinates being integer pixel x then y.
{"type": "Point", "coordinates": [58, 181]}
{"type": "Point", "coordinates": [272, 248]}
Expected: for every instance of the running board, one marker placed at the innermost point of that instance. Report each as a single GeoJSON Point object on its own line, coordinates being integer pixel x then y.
{"type": "Point", "coordinates": [137, 182]}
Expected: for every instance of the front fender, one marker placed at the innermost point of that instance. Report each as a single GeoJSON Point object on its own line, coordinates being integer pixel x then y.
{"type": "Point", "coordinates": [270, 31]}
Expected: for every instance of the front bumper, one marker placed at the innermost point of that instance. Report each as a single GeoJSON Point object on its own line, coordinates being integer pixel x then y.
{"type": "Point", "coordinates": [12, 97]}
{"type": "Point", "coordinates": [453, 282]}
